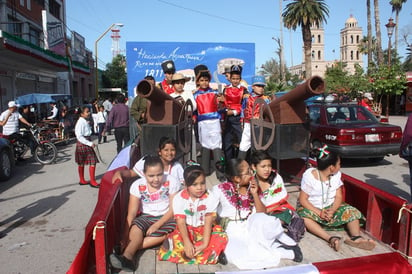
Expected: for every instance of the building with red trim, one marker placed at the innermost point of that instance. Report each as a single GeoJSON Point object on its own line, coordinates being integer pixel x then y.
{"type": "Point", "coordinates": [39, 55]}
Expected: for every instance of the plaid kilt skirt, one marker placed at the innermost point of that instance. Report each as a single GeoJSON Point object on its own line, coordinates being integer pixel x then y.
{"type": "Point", "coordinates": [85, 155]}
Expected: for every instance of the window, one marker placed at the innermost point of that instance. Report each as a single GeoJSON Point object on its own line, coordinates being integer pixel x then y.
{"type": "Point", "coordinates": [54, 8]}
{"type": "Point", "coordinates": [357, 39]}
{"type": "Point", "coordinates": [351, 54]}
{"type": "Point", "coordinates": [34, 37]}
{"type": "Point", "coordinates": [351, 39]}
{"type": "Point", "coordinates": [22, 3]}
{"type": "Point", "coordinates": [357, 55]}
{"type": "Point", "coordinates": [29, 4]}
{"type": "Point", "coordinates": [40, 2]}
{"type": "Point", "coordinates": [15, 27]}
{"type": "Point", "coordinates": [313, 54]}
{"type": "Point", "coordinates": [319, 38]}
{"type": "Point", "coordinates": [314, 115]}
{"type": "Point", "coordinates": [319, 55]}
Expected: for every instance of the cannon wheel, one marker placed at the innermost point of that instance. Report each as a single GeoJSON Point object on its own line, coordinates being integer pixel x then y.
{"type": "Point", "coordinates": [262, 123]}
{"type": "Point", "coordinates": [185, 126]}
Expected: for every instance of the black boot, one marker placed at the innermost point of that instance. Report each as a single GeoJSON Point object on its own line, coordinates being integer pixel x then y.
{"type": "Point", "coordinates": [218, 159]}
{"type": "Point", "coordinates": [205, 160]}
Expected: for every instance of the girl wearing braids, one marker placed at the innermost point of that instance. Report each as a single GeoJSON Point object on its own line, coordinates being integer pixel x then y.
{"type": "Point", "coordinates": [256, 240]}
{"type": "Point", "coordinates": [322, 206]}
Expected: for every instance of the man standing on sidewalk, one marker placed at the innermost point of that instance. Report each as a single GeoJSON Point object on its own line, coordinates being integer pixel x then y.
{"type": "Point", "coordinates": [119, 120]}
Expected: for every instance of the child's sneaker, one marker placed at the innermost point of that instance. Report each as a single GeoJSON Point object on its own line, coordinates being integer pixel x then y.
{"type": "Point", "coordinates": [121, 262]}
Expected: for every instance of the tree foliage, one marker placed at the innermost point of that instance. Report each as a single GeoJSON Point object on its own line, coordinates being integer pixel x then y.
{"type": "Point", "coordinates": [388, 80]}
{"type": "Point", "coordinates": [305, 14]}
{"type": "Point", "coordinates": [115, 75]}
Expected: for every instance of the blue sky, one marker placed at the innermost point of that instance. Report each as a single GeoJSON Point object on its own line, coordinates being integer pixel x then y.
{"type": "Point", "coordinates": [218, 21]}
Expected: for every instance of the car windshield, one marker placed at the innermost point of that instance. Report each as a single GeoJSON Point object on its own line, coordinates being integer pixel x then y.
{"type": "Point", "coordinates": [349, 115]}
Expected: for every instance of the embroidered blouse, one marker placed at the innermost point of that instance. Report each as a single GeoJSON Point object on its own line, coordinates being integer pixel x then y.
{"type": "Point", "coordinates": [155, 203]}
{"type": "Point", "coordinates": [194, 211]}
{"type": "Point", "coordinates": [275, 198]}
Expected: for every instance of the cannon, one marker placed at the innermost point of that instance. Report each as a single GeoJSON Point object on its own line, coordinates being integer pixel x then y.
{"type": "Point", "coordinates": [282, 126]}
{"type": "Point", "coordinates": [162, 109]}
{"type": "Point", "coordinates": [166, 116]}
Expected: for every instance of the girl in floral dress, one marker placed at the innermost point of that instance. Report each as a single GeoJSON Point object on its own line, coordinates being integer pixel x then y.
{"type": "Point", "coordinates": [196, 240]}
{"type": "Point", "coordinates": [274, 195]}
{"type": "Point", "coordinates": [256, 240]}
{"type": "Point", "coordinates": [149, 216]}
{"type": "Point", "coordinates": [322, 206]}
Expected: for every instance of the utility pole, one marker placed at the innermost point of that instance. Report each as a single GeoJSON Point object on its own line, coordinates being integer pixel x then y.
{"type": "Point", "coordinates": [281, 53]}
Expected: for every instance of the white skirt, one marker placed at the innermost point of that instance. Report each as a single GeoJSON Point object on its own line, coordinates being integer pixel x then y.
{"type": "Point", "coordinates": [252, 243]}
{"type": "Point", "coordinates": [210, 134]}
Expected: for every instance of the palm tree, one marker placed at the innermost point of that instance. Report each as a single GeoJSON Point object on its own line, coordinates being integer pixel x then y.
{"type": "Point", "coordinates": [396, 7]}
{"type": "Point", "coordinates": [378, 32]}
{"type": "Point", "coordinates": [368, 13]}
{"type": "Point", "coordinates": [305, 14]}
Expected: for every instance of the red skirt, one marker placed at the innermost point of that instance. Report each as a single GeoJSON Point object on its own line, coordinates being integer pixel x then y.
{"type": "Point", "coordinates": [85, 155]}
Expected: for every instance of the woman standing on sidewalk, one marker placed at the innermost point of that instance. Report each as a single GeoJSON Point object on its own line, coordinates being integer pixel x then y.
{"type": "Point", "coordinates": [85, 154]}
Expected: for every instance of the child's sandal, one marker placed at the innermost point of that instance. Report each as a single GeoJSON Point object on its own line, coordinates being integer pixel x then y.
{"type": "Point", "coordinates": [334, 242]}
{"type": "Point", "coordinates": [365, 244]}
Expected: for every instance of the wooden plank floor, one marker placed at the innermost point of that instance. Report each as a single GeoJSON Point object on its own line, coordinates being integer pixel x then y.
{"type": "Point", "coordinates": [313, 248]}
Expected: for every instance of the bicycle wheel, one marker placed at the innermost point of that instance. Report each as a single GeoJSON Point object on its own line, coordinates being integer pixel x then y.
{"type": "Point", "coordinates": [45, 153]}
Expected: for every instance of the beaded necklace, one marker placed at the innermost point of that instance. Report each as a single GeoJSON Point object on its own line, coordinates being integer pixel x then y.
{"type": "Point", "coordinates": [324, 201]}
{"type": "Point", "coordinates": [240, 205]}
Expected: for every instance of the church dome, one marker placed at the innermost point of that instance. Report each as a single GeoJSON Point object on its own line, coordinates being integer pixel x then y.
{"type": "Point", "coordinates": [351, 22]}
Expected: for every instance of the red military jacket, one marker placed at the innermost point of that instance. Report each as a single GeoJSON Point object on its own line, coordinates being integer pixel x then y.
{"type": "Point", "coordinates": [248, 106]}
{"type": "Point", "coordinates": [164, 85]}
{"type": "Point", "coordinates": [233, 98]}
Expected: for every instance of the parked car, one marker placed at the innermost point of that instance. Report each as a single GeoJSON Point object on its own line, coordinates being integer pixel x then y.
{"type": "Point", "coordinates": [352, 131]}
{"type": "Point", "coordinates": [6, 159]}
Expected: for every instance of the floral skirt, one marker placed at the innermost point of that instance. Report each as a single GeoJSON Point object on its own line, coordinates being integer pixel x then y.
{"type": "Point", "coordinates": [172, 249]}
{"type": "Point", "coordinates": [343, 215]}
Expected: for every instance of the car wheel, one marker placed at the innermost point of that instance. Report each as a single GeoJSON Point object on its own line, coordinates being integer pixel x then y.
{"type": "Point", "coordinates": [5, 165]}
{"type": "Point", "coordinates": [376, 159]}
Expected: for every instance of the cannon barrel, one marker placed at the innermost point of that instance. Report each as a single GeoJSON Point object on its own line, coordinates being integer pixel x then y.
{"type": "Point", "coordinates": [162, 109]}
{"type": "Point", "coordinates": [290, 108]}
{"type": "Point", "coordinates": [151, 92]}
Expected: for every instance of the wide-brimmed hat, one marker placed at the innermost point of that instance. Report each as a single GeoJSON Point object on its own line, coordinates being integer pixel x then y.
{"type": "Point", "coordinates": [202, 70]}
{"type": "Point", "coordinates": [258, 80]}
{"type": "Point", "coordinates": [178, 77]}
{"type": "Point", "coordinates": [368, 95]}
{"type": "Point", "coordinates": [12, 104]}
{"type": "Point", "coordinates": [168, 66]}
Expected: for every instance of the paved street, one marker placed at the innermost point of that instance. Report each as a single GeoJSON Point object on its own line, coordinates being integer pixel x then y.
{"type": "Point", "coordinates": [44, 210]}
{"type": "Point", "coordinates": [391, 174]}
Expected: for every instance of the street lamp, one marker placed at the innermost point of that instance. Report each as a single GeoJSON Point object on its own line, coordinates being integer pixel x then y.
{"type": "Point", "coordinates": [390, 26]}
{"type": "Point", "coordinates": [96, 84]}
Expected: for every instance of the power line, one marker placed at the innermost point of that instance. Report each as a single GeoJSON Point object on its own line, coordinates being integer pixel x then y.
{"type": "Point", "coordinates": [218, 17]}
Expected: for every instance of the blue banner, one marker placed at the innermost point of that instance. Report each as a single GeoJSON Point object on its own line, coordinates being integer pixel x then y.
{"type": "Point", "coordinates": [145, 58]}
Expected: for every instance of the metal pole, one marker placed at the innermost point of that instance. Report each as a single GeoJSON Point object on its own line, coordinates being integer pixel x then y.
{"type": "Point", "coordinates": [96, 72]}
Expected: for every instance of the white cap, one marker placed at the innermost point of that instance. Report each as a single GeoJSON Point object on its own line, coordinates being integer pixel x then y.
{"type": "Point", "coordinates": [368, 95]}
{"type": "Point", "coordinates": [12, 104]}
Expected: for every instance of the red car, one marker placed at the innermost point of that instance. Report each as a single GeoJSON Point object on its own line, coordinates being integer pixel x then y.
{"type": "Point", "coordinates": [352, 131]}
